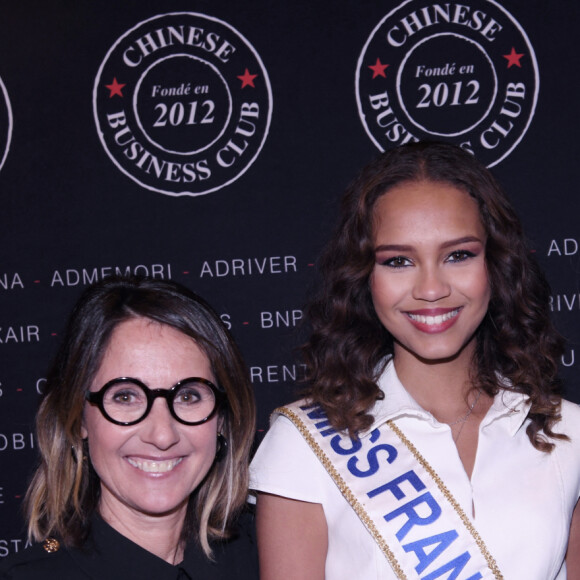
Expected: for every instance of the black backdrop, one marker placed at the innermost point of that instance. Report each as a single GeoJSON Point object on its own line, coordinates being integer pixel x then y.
{"type": "Point", "coordinates": [279, 86]}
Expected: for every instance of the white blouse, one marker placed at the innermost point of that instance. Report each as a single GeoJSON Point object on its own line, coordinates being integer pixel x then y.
{"type": "Point", "coordinates": [522, 498]}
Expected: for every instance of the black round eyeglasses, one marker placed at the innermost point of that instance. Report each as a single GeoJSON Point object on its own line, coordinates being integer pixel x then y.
{"type": "Point", "coordinates": [127, 401]}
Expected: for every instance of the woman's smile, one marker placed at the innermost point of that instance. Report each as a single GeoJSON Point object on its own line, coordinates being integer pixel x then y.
{"type": "Point", "coordinates": [154, 466]}
{"type": "Point", "coordinates": [434, 320]}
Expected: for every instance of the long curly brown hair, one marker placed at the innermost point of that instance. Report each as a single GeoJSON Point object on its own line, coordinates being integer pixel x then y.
{"type": "Point", "coordinates": [348, 346]}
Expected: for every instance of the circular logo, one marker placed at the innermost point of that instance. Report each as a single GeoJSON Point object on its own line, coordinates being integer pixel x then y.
{"type": "Point", "coordinates": [182, 104]}
{"type": "Point", "coordinates": [448, 72]}
{"type": "Point", "coordinates": [5, 124]}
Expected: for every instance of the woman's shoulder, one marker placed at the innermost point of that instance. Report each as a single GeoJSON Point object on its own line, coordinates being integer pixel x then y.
{"type": "Point", "coordinates": [569, 423]}
{"type": "Point", "coordinates": [282, 436]}
{"type": "Point", "coordinates": [285, 465]}
{"type": "Point", "coordinates": [567, 451]}
{"type": "Point", "coordinates": [48, 559]}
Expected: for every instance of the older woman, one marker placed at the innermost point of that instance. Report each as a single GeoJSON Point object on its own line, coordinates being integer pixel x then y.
{"type": "Point", "coordinates": [144, 434]}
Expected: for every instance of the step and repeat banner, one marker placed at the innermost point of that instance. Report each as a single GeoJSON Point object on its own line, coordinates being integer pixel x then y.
{"type": "Point", "coordinates": [209, 142]}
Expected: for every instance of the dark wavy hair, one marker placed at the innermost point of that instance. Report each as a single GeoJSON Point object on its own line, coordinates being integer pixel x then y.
{"type": "Point", "coordinates": [348, 346]}
{"type": "Point", "coordinates": [65, 489]}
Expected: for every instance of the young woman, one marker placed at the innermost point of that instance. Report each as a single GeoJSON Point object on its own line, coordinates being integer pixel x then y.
{"type": "Point", "coordinates": [144, 434]}
{"type": "Point", "coordinates": [433, 441]}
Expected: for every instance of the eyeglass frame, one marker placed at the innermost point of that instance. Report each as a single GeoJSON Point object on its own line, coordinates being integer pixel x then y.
{"type": "Point", "coordinates": [96, 398]}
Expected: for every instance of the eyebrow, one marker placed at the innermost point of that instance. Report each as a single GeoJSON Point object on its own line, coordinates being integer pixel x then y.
{"type": "Point", "coordinates": [407, 248]}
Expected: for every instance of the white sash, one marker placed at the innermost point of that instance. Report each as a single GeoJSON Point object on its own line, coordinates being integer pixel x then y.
{"type": "Point", "coordinates": [416, 522]}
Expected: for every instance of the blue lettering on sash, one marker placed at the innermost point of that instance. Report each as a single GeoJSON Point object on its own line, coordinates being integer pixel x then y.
{"type": "Point", "coordinates": [335, 443]}
{"type": "Point", "coordinates": [322, 424]}
{"type": "Point", "coordinates": [413, 518]}
{"type": "Point", "coordinates": [442, 541]}
{"type": "Point", "coordinates": [393, 486]}
{"type": "Point", "coordinates": [455, 566]}
{"type": "Point", "coordinates": [372, 459]}
{"type": "Point", "coordinates": [328, 432]}
{"type": "Point", "coordinates": [356, 445]}
{"type": "Point", "coordinates": [318, 413]}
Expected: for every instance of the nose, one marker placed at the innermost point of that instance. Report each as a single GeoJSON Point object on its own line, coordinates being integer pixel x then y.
{"type": "Point", "coordinates": [159, 428]}
{"type": "Point", "coordinates": [431, 284]}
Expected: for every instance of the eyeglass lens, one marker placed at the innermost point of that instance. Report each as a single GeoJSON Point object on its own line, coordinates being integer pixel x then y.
{"type": "Point", "coordinates": [127, 402]}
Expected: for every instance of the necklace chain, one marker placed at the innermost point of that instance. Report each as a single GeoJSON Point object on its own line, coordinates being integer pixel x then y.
{"type": "Point", "coordinates": [466, 416]}
{"type": "Point", "coordinates": [462, 420]}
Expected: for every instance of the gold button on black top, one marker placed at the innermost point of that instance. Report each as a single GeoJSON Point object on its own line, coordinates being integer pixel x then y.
{"type": "Point", "coordinates": [51, 545]}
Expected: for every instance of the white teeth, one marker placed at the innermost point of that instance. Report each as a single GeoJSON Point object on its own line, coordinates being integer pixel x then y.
{"type": "Point", "coordinates": [433, 319]}
{"type": "Point", "coordinates": [154, 466]}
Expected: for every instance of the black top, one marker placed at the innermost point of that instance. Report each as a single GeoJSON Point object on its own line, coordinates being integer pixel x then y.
{"type": "Point", "coordinates": [108, 555]}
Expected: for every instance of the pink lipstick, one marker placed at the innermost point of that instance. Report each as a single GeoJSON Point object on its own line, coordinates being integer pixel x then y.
{"type": "Point", "coordinates": [433, 320]}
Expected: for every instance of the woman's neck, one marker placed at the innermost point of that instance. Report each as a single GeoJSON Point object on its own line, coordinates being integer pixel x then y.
{"type": "Point", "coordinates": [440, 387]}
{"type": "Point", "coordinates": [159, 535]}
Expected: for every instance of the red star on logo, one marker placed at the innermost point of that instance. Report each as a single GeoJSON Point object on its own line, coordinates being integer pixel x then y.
{"type": "Point", "coordinates": [513, 58]}
{"type": "Point", "coordinates": [247, 79]}
{"type": "Point", "coordinates": [378, 69]}
{"type": "Point", "coordinates": [115, 88]}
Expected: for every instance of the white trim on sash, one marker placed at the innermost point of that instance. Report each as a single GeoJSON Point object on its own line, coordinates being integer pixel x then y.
{"type": "Point", "coordinates": [416, 522]}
